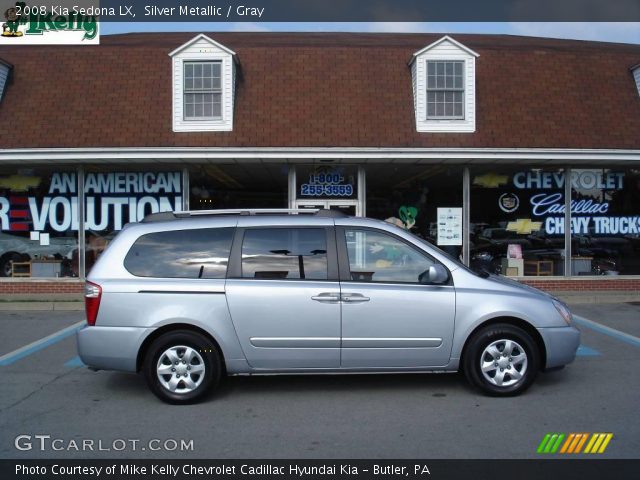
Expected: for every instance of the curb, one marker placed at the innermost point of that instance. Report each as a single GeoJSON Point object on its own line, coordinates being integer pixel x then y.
{"type": "Point", "coordinates": [598, 298]}
{"type": "Point", "coordinates": [41, 306]}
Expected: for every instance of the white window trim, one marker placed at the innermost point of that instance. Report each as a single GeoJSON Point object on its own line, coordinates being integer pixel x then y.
{"type": "Point", "coordinates": [214, 52]}
{"type": "Point", "coordinates": [419, 72]}
{"type": "Point", "coordinates": [184, 94]}
{"type": "Point", "coordinates": [635, 71]}
{"type": "Point", "coordinates": [464, 96]}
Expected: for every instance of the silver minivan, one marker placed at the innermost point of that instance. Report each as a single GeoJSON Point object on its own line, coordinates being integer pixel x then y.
{"type": "Point", "coordinates": [188, 297]}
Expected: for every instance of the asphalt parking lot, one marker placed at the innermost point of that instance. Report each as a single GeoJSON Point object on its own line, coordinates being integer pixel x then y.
{"type": "Point", "coordinates": [47, 391]}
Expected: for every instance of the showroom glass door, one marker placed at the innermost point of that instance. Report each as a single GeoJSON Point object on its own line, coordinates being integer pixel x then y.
{"type": "Point", "coordinates": [349, 207]}
{"type": "Point", "coordinates": [333, 187]}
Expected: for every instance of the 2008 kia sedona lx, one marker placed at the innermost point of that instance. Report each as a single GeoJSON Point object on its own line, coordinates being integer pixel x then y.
{"type": "Point", "coordinates": [190, 296]}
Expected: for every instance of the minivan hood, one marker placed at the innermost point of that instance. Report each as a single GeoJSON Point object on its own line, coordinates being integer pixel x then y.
{"type": "Point", "coordinates": [504, 283]}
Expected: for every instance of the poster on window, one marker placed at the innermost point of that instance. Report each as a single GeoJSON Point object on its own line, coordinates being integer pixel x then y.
{"type": "Point", "coordinates": [450, 226]}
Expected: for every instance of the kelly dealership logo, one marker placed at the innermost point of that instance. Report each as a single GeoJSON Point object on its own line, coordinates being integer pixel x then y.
{"type": "Point", "coordinates": [26, 25]}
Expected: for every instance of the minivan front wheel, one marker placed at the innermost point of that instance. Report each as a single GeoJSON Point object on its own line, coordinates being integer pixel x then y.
{"type": "Point", "coordinates": [502, 360]}
{"type": "Point", "coordinates": [181, 367]}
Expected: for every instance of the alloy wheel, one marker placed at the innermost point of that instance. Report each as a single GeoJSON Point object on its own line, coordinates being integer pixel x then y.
{"type": "Point", "coordinates": [180, 369]}
{"type": "Point", "coordinates": [503, 363]}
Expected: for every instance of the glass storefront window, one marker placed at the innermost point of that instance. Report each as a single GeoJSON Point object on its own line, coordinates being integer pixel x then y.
{"type": "Point", "coordinates": [605, 223]}
{"type": "Point", "coordinates": [38, 222]}
{"type": "Point", "coordinates": [248, 185]}
{"type": "Point", "coordinates": [517, 220]}
{"type": "Point", "coordinates": [425, 199]}
{"type": "Point", "coordinates": [517, 214]}
{"type": "Point", "coordinates": [117, 196]}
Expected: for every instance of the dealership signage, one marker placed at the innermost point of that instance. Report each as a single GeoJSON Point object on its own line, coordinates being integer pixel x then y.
{"type": "Point", "coordinates": [591, 216]}
{"type": "Point", "coordinates": [449, 226]}
{"type": "Point", "coordinates": [111, 199]}
{"type": "Point", "coordinates": [595, 225]}
{"type": "Point", "coordinates": [580, 180]}
{"type": "Point", "coordinates": [50, 24]}
{"type": "Point", "coordinates": [329, 183]}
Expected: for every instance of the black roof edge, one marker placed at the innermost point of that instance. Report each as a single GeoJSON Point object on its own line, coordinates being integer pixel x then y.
{"type": "Point", "coordinates": [159, 217]}
{"type": "Point", "coordinates": [327, 213]}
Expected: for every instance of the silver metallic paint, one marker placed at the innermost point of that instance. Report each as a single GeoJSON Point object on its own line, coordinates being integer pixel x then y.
{"type": "Point", "coordinates": [270, 326]}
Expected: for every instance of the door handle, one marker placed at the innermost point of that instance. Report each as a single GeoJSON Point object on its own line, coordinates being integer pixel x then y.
{"type": "Point", "coordinates": [326, 297]}
{"type": "Point", "coordinates": [354, 298]}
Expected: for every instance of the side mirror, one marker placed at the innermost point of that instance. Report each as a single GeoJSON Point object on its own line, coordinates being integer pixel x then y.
{"type": "Point", "coordinates": [437, 274]}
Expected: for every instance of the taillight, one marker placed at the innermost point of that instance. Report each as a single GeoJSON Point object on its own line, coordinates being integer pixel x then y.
{"type": "Point", "coordinates": [92, 295]}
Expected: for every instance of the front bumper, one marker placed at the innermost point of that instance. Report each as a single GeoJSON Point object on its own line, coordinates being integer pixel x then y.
{"type": "Point", "coordinates": [561, 344]}
{"type": "Point", "coordinates": [111, 348]}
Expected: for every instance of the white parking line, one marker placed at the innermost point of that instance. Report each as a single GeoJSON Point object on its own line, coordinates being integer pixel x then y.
{"type": "Point", "coordinates": [44, 342]}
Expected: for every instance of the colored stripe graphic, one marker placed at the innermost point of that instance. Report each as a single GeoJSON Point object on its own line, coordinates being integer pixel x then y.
{"type": "Point", "coordinates": [543, 443]}
{"type": "Point", "coordinates": [581, 442]}
{"type": "Point", "coordinates": [18, 200]}
{"type": "Point", "coordinates": [604, 445]}
{"type": "Point", "coordinates": [598, 443]}
{"type": "Point", "coordinates": [574, 443]}
{"type": "Point", "coordinates": [556, 443]}
{"type": "Point", "coordinates": [550, 443]}
{"type": "Point", "coordinates": [19, 214]}
{"type": "Point", "coordinates": [19, 227]}
{"type": "Point", "coordinates": [570, 439]}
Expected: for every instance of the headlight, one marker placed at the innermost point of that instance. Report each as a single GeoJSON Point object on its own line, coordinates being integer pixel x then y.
{"type": "Point", "coordinates": [564, 311]}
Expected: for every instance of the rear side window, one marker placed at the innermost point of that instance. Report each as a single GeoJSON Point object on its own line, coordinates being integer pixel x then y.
{"type": "Point", "coordinates": [285, 253]}
{"type": "Point", "coordinates": [202, 253]}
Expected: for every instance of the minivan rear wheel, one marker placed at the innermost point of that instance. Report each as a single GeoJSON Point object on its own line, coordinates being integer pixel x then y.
{"type": "Point", "coordinates": [501, 360]}
{"type": "Point", "coordinates": [181, 367]}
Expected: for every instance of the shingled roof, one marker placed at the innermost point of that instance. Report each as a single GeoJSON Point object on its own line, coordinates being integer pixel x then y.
{"type": "Point", "coordinates": [322, 90]}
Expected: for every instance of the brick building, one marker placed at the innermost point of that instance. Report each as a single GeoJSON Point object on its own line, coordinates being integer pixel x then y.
{"type": "Point", "coordinates": [468, 140]}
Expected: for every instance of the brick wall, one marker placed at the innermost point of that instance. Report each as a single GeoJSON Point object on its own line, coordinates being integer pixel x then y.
{"type": "Point", "coordinates": [46, 287]}
{"type": "Point", "coordinates": [581, 285]}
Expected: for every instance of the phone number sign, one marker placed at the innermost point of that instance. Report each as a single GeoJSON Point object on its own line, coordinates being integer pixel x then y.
{"type": "Point", "coordinates": [326, 184]}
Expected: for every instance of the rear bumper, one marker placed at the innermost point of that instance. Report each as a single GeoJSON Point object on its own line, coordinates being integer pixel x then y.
{"type": "Point", "coordinates": [111, 348]}
{"type": "Point", "coordinates": [561, 345]}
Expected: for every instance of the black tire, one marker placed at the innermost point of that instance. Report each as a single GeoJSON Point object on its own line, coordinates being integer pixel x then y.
{"type": "Point", "coordinates": [475, 354]}
{"type": "Point", "coordinates": [207, 353]}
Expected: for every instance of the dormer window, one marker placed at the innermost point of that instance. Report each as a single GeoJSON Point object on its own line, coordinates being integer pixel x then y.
{"type": "Point", "coordinates": [204, 74]}
{"type": "Point", "coordinates": [635, 71]}
{"type": "Point", "coordinates": [5, 73]}
{"type": "Point", "coordinates": [202, 90]}
{"type": "Point", "coordinates": [445, 90]}
{"type": "Point", "coordinates": [444, 87]}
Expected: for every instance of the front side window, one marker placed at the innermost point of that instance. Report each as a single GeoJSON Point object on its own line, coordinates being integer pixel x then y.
{"type": "Point", "coordinates": [379, 257]}
{"type": "Point", "coordinates": [202, 90]}
{"type": "Point", "coordinates": [285, 253]}
{"type": "Point", "coordinates": [201, 253]}
{"type": "Point", "coordinates": [445, 90]}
